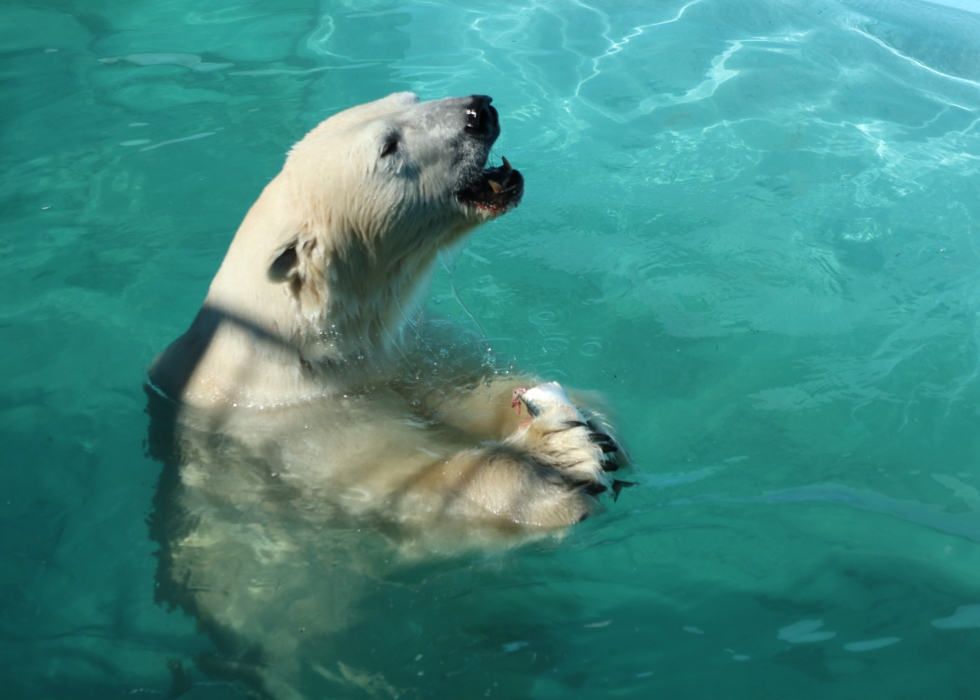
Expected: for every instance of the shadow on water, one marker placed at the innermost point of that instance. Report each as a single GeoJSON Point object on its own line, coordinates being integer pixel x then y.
{"type": "Point", "coordinates": [169, 521]}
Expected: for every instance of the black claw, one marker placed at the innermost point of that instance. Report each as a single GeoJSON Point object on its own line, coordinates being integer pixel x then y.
{"type": "Point", "coordinates": [607, 447]}
{"type": "Point", "coordinates": [609, 465]}
{"type": "Point", "coordinates": [596, 434]}
{"type": "Point", "coordinates": [594, 488]}
{"type": "Point", "coordinates": [618, 486]}
{"type": "Point", "coordinates": [604, 441]}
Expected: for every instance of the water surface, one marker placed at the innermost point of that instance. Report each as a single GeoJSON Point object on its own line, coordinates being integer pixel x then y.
{"type": "Point", "coordinates": [755, 227]}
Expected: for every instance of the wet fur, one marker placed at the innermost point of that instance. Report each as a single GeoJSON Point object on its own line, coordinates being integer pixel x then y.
{"type": "Point", "coordinates": [296, 411]}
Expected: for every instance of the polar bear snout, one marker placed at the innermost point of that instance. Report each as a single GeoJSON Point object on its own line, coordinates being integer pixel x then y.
{"type": "Point", "coordinates": [490, 191]}
{"type": "Point", "coordinates": [481, 118]}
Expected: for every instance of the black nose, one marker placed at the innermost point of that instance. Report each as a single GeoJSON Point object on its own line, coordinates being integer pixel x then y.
{"type": "Point", "coordinates": [481, 118]}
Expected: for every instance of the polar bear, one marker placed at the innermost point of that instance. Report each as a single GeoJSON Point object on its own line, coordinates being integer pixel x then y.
{"type": "Point", "coordinates": [301, 401]}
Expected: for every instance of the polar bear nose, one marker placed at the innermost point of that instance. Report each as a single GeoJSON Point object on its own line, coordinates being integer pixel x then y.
{"type": "Point", "coordinates": [481, 118]}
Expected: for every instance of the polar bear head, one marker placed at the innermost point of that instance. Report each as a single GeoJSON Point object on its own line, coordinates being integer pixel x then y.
{"type": "Point", "coordinates": [337, 252]}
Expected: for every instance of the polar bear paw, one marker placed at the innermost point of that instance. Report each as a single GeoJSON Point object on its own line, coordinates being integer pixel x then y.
{"type": "Point", "coordinates": [581, 447]}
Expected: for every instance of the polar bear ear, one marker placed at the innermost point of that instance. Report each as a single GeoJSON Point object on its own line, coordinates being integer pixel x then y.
{"type": "Point", "coordinates": [284, 264]}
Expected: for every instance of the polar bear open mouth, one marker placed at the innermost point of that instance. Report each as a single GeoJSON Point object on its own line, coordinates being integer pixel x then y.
{"type": "Point", "coordinates": [496, 191]}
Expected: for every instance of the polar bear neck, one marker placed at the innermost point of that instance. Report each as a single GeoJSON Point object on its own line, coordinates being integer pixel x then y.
{"type": "Point", "coordinates": [368, 308]}
{"type": "Point", "coordinates": [336, 317]}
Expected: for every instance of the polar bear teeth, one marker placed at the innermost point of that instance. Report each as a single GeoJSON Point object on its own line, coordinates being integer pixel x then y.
{"type": "Point", "coordinates": [496, 191]}
{"type": "Point", "coordinates": [507, 170]}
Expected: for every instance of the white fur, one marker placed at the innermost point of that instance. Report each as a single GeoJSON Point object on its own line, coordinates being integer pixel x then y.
{"type": "Point", "coordinates": [292, 419]}
{"type": "Point", "coordinates": [366, 231]}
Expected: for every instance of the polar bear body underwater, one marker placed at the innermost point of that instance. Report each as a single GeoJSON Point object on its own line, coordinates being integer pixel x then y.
{"type": "Point", "coordinates": [300, 400]}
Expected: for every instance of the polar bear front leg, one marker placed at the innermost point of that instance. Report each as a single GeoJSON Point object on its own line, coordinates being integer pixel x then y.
{"type": "Point", "coordinates": [480, 407]}
{"type": "Point", "coordinates": [545, 474]}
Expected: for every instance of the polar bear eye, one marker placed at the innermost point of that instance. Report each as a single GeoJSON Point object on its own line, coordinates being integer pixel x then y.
{"type": "Point", "coordinates": [391, 145]}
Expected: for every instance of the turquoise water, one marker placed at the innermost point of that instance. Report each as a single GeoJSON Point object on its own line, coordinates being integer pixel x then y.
{"type": "Point", "coordinates": [754, 227]}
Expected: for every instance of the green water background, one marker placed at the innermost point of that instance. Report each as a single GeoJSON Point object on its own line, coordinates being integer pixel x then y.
{"type": "Point", "coordinates": [752, 226]}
